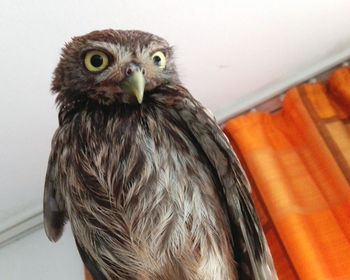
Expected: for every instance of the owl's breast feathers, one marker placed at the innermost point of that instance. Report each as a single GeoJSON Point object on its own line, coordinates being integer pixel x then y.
{"type": "Point", "coordinates": [153, 192]}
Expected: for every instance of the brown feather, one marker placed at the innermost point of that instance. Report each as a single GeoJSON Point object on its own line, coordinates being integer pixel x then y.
{"type": "Point", "coordinates": [152, 191]}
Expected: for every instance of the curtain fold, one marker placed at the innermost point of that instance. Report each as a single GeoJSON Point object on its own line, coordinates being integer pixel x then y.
{"type": "Point", "coordinates": [299, 163]}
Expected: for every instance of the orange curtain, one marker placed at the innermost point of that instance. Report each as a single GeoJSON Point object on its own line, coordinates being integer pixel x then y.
{"type": "Point", "coordinates": [299, 163]}
{"type": "Point", "coordinates": [87, 275]}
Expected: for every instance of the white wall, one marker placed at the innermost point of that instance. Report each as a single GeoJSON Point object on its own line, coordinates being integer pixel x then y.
{"type": "Point", "coordinates": [228, 52]}
{"type": "Point", "coordinates": [35, 258]}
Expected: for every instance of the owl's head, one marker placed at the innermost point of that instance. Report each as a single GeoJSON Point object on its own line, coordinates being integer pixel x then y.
{"type": "Point", "coordinates": [113, 66]}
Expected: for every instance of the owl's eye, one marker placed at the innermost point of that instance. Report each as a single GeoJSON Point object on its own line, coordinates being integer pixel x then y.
{"type": "Point", "coordinates": [159, 59]}
{"type": "Point", "coordinates": [96, 61]}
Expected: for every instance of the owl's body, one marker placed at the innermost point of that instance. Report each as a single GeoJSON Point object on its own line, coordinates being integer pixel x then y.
{"type": "Point", "coordinates": [152, 190]}
{"type": "Point", "coordinates": [160, 193]}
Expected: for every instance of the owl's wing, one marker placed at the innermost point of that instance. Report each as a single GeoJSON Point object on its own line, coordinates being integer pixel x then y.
{"type": "Point", "coordinates": [54, 207]}
{"type": "Point", "coordinates": [250, 247]}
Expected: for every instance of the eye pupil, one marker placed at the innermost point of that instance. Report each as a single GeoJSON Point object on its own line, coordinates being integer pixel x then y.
{"type": "Point", "coordinates": [96, 60]}
{"type": "Point", "coordinates": [157, 60]}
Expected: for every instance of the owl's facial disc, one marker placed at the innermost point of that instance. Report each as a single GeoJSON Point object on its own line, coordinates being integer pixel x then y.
{"type": "Point", "coordinates": [122, 72]}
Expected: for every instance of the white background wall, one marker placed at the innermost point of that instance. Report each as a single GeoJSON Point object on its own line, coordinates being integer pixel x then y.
{"type": "Point", "coordinates": [34, 258]}
{"type": "Point", "coordinates": [228, 51]}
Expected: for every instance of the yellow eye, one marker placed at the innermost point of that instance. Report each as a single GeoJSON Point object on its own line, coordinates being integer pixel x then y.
{"type": "Point", "coordinates": [159, 59]}
{"type": "Point", "coordinates": [96, 61]}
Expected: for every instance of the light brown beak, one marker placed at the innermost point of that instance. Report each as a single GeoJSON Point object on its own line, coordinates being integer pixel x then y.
{"type": "Point", "coordinates": [135, 83]}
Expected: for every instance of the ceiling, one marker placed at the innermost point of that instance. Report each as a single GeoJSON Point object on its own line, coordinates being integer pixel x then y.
{"type": "Point", "coordinates": [227, 52]}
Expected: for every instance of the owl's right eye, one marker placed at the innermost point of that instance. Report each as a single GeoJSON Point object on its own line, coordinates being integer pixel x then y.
{"type": "Point", "coordinates": [96, 61]}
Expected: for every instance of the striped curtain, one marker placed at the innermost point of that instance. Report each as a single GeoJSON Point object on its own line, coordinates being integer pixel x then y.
{"type": "Point", "coordinates": [298, 161]}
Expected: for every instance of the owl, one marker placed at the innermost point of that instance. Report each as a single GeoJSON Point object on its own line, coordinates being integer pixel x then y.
{"type": "Point", "coordinates": [144, 175]}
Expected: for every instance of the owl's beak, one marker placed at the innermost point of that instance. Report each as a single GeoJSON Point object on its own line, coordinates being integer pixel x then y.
{"type": "Point", "coordinates": [135, 82]}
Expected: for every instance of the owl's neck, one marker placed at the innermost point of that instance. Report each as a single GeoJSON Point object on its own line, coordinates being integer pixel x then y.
{"type": "Point", "coordinates": [68, 109]}
{"type": "Point", "coordinates": [70, 104]}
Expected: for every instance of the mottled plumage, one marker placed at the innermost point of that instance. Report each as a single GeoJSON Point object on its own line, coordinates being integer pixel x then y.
{"type": "Point", "coordinates": [152, 190]}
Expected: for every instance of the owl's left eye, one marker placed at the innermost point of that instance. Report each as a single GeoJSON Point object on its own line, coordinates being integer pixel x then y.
{"type": "Point", "coordinates": [96, 61]}
{"type": "Point", "coordinates": [159, 59]}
